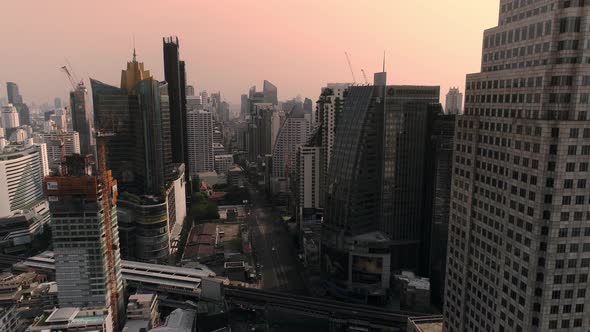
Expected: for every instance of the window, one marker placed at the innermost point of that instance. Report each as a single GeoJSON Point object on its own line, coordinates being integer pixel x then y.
{"type": "Point", "coordinates": [570, 167]}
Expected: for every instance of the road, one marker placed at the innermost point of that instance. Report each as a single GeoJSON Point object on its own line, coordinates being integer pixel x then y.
{"type": "Point", "coordinates": [274, 249]}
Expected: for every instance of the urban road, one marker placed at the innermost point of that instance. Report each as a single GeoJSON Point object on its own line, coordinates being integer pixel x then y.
{"type": "Point", "coordinates": [274, 249]}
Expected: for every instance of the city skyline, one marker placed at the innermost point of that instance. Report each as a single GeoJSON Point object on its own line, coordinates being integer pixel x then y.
{"type": "Point", "coordinates": [217, 46]}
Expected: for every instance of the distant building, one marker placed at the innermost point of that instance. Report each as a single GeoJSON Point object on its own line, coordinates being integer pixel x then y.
{"type": "Point", "coordinates": [260, 130]}
{"type": "Point", "coordinates": [270, 93]}
{"type": "Point", "coordinates": [83, 118]}
{"type": "Point", "coordinates": [179, 321]}
{"type": "Point", "coordinates": [9, 117]}
{"type": "Point", "coordinates": [194, 103]}
{"type": "Point", "coordinates": [235, 176]}
{"type": "Point", "coordinates": [223, 162]}
{"type": "Point", "coordinates": [309, 168]}
{"type": "Point", "coordinates": [291, 135]}
{"type": "Point", "coordinates": [13, 93]}
{"type": "Point", "coordinates": [454, 102]}
{"type": "Point", "coordinates": [244, 106]}
{"type": "Point", "coordinates": [54, 140]}
{"type": "Point", "coordinates": [57, 102]}
{"type": "Point", "coordinates": [200, 139]}
{"type": "Point", "coordinates": [190, 90]}
{"type": "Point", "coordinates": [307, 106]}
{"type": "Point", "coordinates": [142, 313]}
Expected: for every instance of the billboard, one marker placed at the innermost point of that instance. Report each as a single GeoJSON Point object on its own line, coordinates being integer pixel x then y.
{"type": "Point", "coordinates": [367, 269]}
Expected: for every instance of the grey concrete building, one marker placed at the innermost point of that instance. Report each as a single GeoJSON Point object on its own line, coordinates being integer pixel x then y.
{"type": "Point", "coordinates": [519, 252]}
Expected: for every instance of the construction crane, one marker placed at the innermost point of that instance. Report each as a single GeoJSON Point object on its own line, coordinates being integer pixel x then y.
{"type": "Point", "coordinates": [70, 77]}
{"type": "Point", "coordinates": [109, 198]}
{"type": "Point", "coordinates": [350, 67]}
{"type": "Point", "coordinates": [365, 76]}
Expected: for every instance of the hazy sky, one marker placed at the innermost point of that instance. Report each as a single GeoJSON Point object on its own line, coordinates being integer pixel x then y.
{"type": "Point", "coordinates": [230, 45]}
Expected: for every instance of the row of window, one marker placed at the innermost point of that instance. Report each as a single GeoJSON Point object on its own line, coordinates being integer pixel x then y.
{"type": "Point", "coordinates": [520, 52]}
{"type": "Point", "coordinates": [524, 33]}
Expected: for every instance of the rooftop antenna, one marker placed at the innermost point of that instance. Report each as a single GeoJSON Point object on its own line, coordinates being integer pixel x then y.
{"type": "Point", "coordinates": [383, 60]}
{"type": "Point", "coordinates": [134, 54]}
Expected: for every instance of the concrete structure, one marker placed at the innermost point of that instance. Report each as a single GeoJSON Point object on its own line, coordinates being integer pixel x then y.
{"type": "Point", "coordinates": [142, 313]}
{"type": "Point", "coordinates": [291, 136]}
{"type": "Point", "coordinates": [223, 163]}
{"type": "Point", "coordinates": [518, 256]}
{"type": "Point", "coordinates": [79, 240]}
{"type": "Point", "coordinates": [9, 117]}
{"type": "Point", "coordinates": [73, 319]}
{"type": "Point", "coordinates": [309, 171]}
{"type": "Point", "coordinates": [454, 102]}
{"type": "Point", "coordinates": [83, 118]}
{"type": "Point", "coordinates": [54, 140]}
{"type": "Point", "coordinates": [200, 141]}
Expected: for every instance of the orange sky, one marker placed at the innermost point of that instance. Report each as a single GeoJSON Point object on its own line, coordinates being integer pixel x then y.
{"type": "Point", "coordinates": [230, 45]}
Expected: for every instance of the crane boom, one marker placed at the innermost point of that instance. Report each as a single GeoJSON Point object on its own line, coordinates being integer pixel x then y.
{"type": "Point", "coordinates": [365, 76]}
{"type": "Point", "coordinates": [350, 67]}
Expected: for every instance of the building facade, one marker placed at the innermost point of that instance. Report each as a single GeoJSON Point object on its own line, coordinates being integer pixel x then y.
{"type": "Point", "coordinates": [454, 102]}
{"type": "Point", "coordinates": [518, 257]}
{"type": "Point", "coordinates": [83, 118]}
{"type": "Point", "coordinates": [54, 140]}
{"type": "Point", "coordinates": [200, 139]}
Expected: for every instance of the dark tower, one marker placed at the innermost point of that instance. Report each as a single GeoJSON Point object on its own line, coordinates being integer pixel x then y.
{"type": "Point", "coordinates": [174, 73]}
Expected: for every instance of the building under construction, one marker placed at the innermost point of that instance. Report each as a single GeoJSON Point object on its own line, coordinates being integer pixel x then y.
{"type": "Point", "coordinates": [86, 237]}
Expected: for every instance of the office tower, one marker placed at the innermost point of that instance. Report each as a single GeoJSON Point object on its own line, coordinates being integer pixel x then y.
{"type": "Point", "coordinates": [174, 73]}
{"type": "Point", "coordinates": [54, 141]}
{"type": "Point", "coordinates": [244, 106]}
{"type": "Point", "coordinates": [441, 149]}
{"type": "Point", "coordinates": [190, 91]}
{"type": "Point", "coordinates": [270, 93]}
{"type": "Point", "coordinates": [16, 99]}
{"type": "Point", "coordinates": [224, 111]}
{"type": "Point", "coordinates": [86, 238]}
{"type": "Point", "coordinates": [138, 114]}
{"type": "Point", "coordinates": [292, 134]}
{"type": "Point", "coordinates": [200, 139]}
{"type": "Point", "coordinates": [223, 162]}
{"type": "Point", "coordinates": [57, 102]}
{"type": "Point", "coordinates": [260, 130]}
{"type": "Point", "coordinates": [9, 119]}
{"type": "Point", "coordinates": [307, 106]}
{"type": "Point", "coordinates": [518, 255]}
{"type": "Point", "coordinates": [309, 167]}
{"type": "Point", "coordinates": [14, 96]}
{"type": "Point", "coordinates": [194, 103]}
{"type": "Point", "coordinates": [328, 109]}
{"type": "Point", "coordinates": [375, 187]}
{"type": "Point", "coordinates": [24, 211]}
{"type": "Point", "coordinates": [83, 118]}
{"type": "Point", "coordinates": [454, 101]}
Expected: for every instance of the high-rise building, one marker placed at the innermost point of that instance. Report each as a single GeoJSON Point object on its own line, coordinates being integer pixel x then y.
{"type": "Point", "coordinates": [190, 90]}
{"type": "Point", "coordinates": [454, 101]}
{"type": "Point", "coordinates": [328, 109]}
{"type": "Point", "coordinates": [244, 108]}
{"type": "Point", "coordinates": [87, 260]}
{"type": "Point", "coordinates": [292, 134]}
{"type": "Point", "coordinates": [307, 106]}
{"type": "Point", "coordinates": [309, 168]}
{"type": "Point", "coordinates": [270, 93]}
{"type": "Point", "coordinates": [24, 211]}
{"type": "Point", "coordinates": [376, 187]}
{"type": "Point", "coordinates": [200, 139]}
{"type": "Point", "coordinates": [9, 117]}
{"type": "Point", "coordinates": [174, 73]}
{"type": "Point", "coordinates": [518, 248]}
{"type": "Point", "coordinates": [57, 102]}
{"type": "Point", "coordinates": [83, 118]}
{"type": "Point", "coordinates": [14, 96]}
{"type": "Point", "coordinates": [260, 130]}
{"type": "Point", "coordinates": [138, 114]}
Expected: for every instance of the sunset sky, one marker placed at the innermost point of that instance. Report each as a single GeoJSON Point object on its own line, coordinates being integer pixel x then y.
{"type": "Point", "coordinates": [230, 45]}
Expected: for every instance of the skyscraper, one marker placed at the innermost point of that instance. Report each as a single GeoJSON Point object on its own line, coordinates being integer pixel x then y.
{"type": "Point", "coordinates": [200, 138]}
{"type": "Point", "coordinates": [175, 75]}
{"type": "Point", "coordinates": [14, 96]}
{"type": "Point", "coordinates": [88, 271]}
{"type": "Point", "coordinates": [57, 102]}
{"type": "Point", "coordinates": [83, 118]}
{"type": "Point", "coordinates": [260, 130]}
{"type": "Point", "coordinates": [270, 93]}
{"type": "Point", "coordinates": [10, 118]}
{"type": "Point", "coordinates": [454, 101]}
{"type": "Point", "coordinates": [307, 106]}
{"type": "Point", "coordinates": [376, 187]}
{"type": "Point", "coordinates": [518, 257]}
{"type": "Point", "coordinates": [292, 134]}
{"type": "Point", "coordinates": [244, 106]}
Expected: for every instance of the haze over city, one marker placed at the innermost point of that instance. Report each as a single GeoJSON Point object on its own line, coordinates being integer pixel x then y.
{"type": "Point", "coordinates": [234, 44]}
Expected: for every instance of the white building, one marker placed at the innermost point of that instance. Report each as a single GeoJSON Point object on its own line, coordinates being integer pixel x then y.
{"type": "Point", "coordinates": [292, 134]}
{"type": "Point", "coordinates": [223, 162]}
{"type": "Point", "coordinates": [328, 107]}
{"type": "Point", "coordinates": [9, 118]}
{"type": "Point", "coordinates": [53, 140]}
{"type": "Point", "coordinates": [200, 141]}
{"type": "Point", "coordinates": [454, 101]}
{"type": "Point", "coordinates": [309, 175]}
